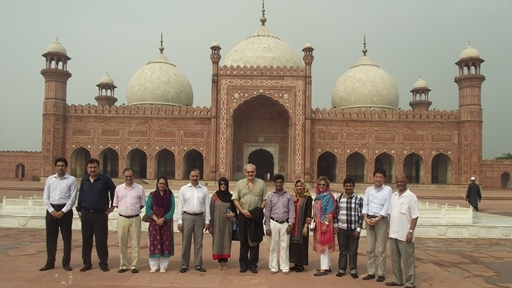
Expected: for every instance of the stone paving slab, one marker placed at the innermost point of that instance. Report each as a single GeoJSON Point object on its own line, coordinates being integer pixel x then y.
{"type": "Point", "coordinates": [441, 263]}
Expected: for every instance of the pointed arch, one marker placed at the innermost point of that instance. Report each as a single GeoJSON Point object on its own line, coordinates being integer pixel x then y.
{"type": "Point", "coordinates": [109, 159]}
{"type": "Point", "coordinates": [326, 166]}
{"type": "Point", "coordinates": [356, 166]}
{"type": "Point", "coordinates": [413, 168]}
{"type": "Point", "coordinates": [193, 159]}
{"type": "Point", "coordinates": [165, 164]}
{"type": "Point", "coordinates": [20, 171]}
{"type": "Point", "coordinates": [137, 160]}
{"type": "Point", "coordinates": [387, 162]}
{"type": "Point", "coordinates": [505, 180]}
{"type": "Point", "coordinates": [79, 158]}
{"type": "Point", "coordinates": [441, 169]}
{"type": "Point", "coordinates": [264, 162]}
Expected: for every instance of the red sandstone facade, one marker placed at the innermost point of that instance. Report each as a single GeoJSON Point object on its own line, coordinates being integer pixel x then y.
{"type": "Point", "coordinates": [262, 115]}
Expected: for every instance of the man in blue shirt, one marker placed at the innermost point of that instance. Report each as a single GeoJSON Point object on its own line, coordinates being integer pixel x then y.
{"type": "Point", "coordinates": [94, 204]}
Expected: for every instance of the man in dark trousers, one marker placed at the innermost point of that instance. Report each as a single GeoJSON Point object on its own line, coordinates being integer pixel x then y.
{"type": "Point", "coordinates": [95, 201]}
{"type": "Point", "coordinates": [473, 195]}
{"type": "Point", "coordinates": [59, 198]}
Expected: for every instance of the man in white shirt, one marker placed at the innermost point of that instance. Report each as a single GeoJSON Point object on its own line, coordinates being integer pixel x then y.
{"type": "Point", "coordinates": [59, 197]}
{"type": "Point", "coordinates": [129, 199]}
{"type": "Point", "coordinates": [193, 219]}
{"type": "Point", "coordinates": [375, 213]}
{"type": "Point", "coordinates": [404, 214]}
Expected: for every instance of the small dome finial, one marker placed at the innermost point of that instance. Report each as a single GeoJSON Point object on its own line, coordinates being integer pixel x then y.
{"type": "Point", "coordinates": [263, 20]}
{"type": "Point", "coordinates": [161, 48]}
{"type": "Point", "coordinates": [364, 46]}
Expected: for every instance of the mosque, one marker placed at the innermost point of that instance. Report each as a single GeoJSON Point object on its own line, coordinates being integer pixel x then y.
{"type": "Point", "coordinates": [261, 95]}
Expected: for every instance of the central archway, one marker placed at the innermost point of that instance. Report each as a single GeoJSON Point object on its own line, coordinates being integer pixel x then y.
{"type": "Point", "coordinates": [261, 123]}
{"type": "Point", "coordinates": [264, 162]}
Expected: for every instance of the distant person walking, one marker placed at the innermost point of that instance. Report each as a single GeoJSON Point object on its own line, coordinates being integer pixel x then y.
{"type": "Point", "coordinates": [473, 195]}
{"type": "Point", "coordinates": [59, 197]}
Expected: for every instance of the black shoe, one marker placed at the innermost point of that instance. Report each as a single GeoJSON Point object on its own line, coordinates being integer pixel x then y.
{"type": "Point", "coordinates": [328, 270]}
{"type": "Point", "coordinates": [85, 268]}
{"type": "Point", "coordinates": [243, 270]}
{"type": "Point", "coordinates": [135, 270]}
{"type": "Point", "coordinates": [381, 279]}
{"type": "Point", "coordinates": [393, 284]}
{"type": "Point", "coordinates": [67, 268]}
{"type": "Point", "coordinates": [46, 267]}
{"type": "Point", "coordinates": [200, 269]}
{"type": "Point", "coordinates": [300, 269]}
{"type": "Point", "coordinates": [321, 273]}
{"type": "Point", "coordinates": [254, 270]}
{"type": "Point", "coordinates": [340, 274]}
{"type": "Point", "coordinates": [122, 270]}
{"type": "Point", "coordinates": [294, 268]}
{"type": "Point", "coordinates": [355, 276]}
{"type": "Point", "coordinates": [369, 277]}
{"type": "Point", "coordinates": [104, 269]}
{"type": "Point", "coordinates": [183, 269]}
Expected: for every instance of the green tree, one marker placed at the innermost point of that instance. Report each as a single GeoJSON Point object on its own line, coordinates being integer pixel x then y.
{"type": "Point", "coordinates": [504, 156]}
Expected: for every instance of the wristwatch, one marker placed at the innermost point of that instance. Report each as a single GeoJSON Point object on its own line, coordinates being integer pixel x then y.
{"type": "Point", "coordinates": [411, 231]}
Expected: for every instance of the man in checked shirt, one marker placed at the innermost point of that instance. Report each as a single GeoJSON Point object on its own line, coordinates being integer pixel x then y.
{"type": "Point", "coordinates": [348, 226]}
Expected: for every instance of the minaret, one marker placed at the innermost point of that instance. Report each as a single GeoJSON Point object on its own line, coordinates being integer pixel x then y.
{"type": "Point", "coordinates": [420, 96]}
{"type": "Point", "coordinates": [56, 76]}
{"type": "Point", "coordinates": [470, 113]}
{"type": "Point", "coordinates": [308, 92]}
{"type": "Point", "coordinates": [106, 89]}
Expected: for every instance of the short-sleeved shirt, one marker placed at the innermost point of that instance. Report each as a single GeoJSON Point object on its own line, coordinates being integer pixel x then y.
{"type": "Point", "coordinates": [250, 199]}
{"type": "Point", "coordinates": [402, 209]}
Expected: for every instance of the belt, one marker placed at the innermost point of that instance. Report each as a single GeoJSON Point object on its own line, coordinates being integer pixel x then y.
{"type": "Point", "coordinates": [58, 206]}
{"type": "Point", "coordinates": [193, 214]}
{"type": "Point", "coordinates": [129, 216]}
{"type": "Point", "coordinates": [280, 222]}
{"type": "Point", "coordinates": [94, 210]}
{"type": "Point", "coordinates": [373, 216]}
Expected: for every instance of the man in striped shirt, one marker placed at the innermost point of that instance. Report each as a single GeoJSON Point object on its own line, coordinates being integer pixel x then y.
{"type": "Point", "coordinates": [348, 226]}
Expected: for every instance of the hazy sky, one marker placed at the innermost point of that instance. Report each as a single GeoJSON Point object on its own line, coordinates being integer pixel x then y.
{"type": "Point", "coordinates": [406, 38]}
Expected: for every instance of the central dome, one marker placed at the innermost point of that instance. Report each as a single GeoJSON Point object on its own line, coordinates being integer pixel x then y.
{"type": "Point", "coordinates": [263, 49]}
{"type": "Point", "coordinates": [160, 83]}
{"type": "Point", "coordinates": [365, 85]}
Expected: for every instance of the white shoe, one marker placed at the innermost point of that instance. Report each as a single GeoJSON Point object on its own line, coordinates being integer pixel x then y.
{"type": "Point", "coordinates": [153, 270]}
{"type": "Point", "coordinates": [162, 270]}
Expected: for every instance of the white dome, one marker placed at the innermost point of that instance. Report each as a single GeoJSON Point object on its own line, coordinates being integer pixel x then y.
{"type": "Point", "coordinates": [56, 47]}
{"type": "Point", "coordinates": [106, 79]}
{"type": "Point", "coordinates": [469, 52]}
{"type": "Point", "coordinates": [365, 85]}
{"type": "Point", "coordinates": [161, 83]}
{"type": "Point", "coordinates": [263, 49]}
{"type": "Point", "coordinates": [420, 84]}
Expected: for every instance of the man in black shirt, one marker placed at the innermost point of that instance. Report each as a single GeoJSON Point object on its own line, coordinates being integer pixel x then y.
{"type": "Point", "coordinates": [94, 204]}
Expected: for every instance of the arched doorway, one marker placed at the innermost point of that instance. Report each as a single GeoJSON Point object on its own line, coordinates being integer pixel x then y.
{"type": "Point", "coordinates": [264, 162]}
{"type": "Point", "coordinates": [137, 160]}
{"type": "Point", "coordinates": [193, 159]}
{"type": "Point", "coordinates": [441, 169]}
{"type": "Point", "coordinates": [356, 167]}
{"type": "Point", "coordinates": [261, 122]}
{"type": "Point", "coordinates": [413, 166]}
{"type": "Point", "coordinates": [326, 166]}
{"type": "Point", "coordinates": [505, 179]}
{"type": "Point", "coordinates": [78, 159]}
{"type": "Point", "coordinates": [387, 162]}
{"type": "Point", "coordinates": [20, 171]}
{"type": "Point", "coordinates": [165, 164]}
{"type": "Point", "coordinates": [110, 162]}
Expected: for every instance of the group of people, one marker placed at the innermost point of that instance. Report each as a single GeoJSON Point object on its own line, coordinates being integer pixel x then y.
{"type": "Point", "coordinates": [283, 216]}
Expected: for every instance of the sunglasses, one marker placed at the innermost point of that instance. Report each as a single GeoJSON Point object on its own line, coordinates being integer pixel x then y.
{"type": "Point", "coordinates": [322, 184]}
{"type": "Point", "coordinates": [222, 184]}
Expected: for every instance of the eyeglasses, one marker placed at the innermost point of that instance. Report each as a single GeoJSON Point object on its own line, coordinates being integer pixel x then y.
{"type": "Point", "coordinates": [249, 172]}
{"type": "Point", "coordinates": [322, 184]}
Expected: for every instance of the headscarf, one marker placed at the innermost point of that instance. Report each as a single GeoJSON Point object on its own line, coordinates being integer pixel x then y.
{"type": "Point", "coordinates": [303, 193]}
{"type": "Point", "coordinates": [224, 195]}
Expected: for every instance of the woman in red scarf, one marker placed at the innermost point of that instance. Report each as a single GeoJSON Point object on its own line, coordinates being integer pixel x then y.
{"type": "Point", "coordinates": [324, 211]}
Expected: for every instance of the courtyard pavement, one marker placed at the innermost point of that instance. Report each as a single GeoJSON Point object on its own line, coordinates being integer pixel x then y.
{"type": "Point", "coordinates": [439, 262]}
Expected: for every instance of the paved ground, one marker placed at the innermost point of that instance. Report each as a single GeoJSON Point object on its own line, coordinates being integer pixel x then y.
{"type": "Point", "coordinates": [439, 262]}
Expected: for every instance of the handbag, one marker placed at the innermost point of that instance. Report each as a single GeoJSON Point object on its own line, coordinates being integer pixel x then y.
{"type": "Point", "coordinates": [235, 236]}
{"type": "Point", "coordinates": [146, 218]}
